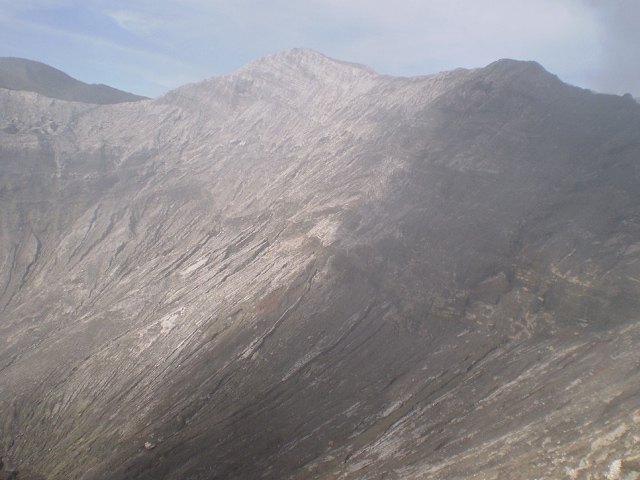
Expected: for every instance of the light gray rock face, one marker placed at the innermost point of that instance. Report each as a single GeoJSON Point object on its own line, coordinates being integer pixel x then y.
{"type": "Point", "coordinates": [309, 270]}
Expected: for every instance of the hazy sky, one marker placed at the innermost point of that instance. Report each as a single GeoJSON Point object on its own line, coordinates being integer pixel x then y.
{"type": "Point", "coordinates": [151, 46]}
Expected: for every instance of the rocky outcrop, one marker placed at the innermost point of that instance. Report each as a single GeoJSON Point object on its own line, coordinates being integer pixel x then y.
{"type": "Point", "coordinates": [309, 270]}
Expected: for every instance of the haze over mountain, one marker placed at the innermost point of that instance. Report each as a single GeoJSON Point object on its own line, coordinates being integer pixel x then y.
{"type": "Point", "coordinates": [27, 75]}
{"type": "Point", "coordinates": [307, 270]}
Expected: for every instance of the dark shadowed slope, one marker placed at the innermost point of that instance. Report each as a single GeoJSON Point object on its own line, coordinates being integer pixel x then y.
{"type": "Point", "coordinates": [30, 76]}
{"type": "Point", "coordinates": [306, 270]}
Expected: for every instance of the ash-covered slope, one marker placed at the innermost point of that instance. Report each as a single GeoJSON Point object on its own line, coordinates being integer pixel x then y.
{"type": "Point", "coordinates": [308, 270]}
{"type": "Point", "coordinates": [28, 75]}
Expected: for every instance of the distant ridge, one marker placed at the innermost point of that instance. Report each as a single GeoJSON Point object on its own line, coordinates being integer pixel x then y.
{"type": "Point", "coordinates": [32, 76]}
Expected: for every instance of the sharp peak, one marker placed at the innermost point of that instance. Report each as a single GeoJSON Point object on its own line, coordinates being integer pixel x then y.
{"type": "Point", "coordinates": [305, 58]}
{"type": "Point", "coordinates": [303, 54]}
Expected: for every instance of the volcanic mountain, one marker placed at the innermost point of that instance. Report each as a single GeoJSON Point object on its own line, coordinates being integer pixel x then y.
{"type": "Point", "coordinates": [307, 270]}
{"type": "Point", "coordinates": [27, 75]}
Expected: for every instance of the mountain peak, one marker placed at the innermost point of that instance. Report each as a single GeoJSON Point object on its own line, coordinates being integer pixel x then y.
{"type": "Point", "coordinates": [311, 56]}
{"type": "Point", "coordinates": [292, 75]}
{"type": "Point", "coordinates": [31, 76]}
{"type": "Point", "coordinates": [530, 71]}
{"type": "Point", "coordinates": [305, 61]}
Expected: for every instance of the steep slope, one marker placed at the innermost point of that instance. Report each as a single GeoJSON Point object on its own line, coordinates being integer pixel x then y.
{"type": "Point", "coordinates": [308, 270]}
{"type": "Point", "coordinates": [28, 75]}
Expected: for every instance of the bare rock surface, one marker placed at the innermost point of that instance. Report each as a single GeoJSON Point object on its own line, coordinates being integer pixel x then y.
{"type": "Point", "coordinates": [307, 270]}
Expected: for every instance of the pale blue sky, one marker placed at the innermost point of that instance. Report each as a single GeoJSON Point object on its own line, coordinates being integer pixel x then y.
{"type": "Point", "coordinates": [151, 46]}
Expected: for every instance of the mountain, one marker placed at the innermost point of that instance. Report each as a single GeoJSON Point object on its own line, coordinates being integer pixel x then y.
{"type": "Point", "coordinates": [27, 75]}
{"type": "Point", "coordinates": [307, 270]}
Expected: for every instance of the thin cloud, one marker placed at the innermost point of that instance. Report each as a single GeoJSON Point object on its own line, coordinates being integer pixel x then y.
{"type": "Point", "coordinates": [137, 23]}
{"type": "Point", "coordinates": [94, 41]}
{"type": "Point", "coordinates": [590, 43]}
{"type": "Point", "coordinates": [97, 57]}
{"type": "Point", "coordinates": [406, 34]}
